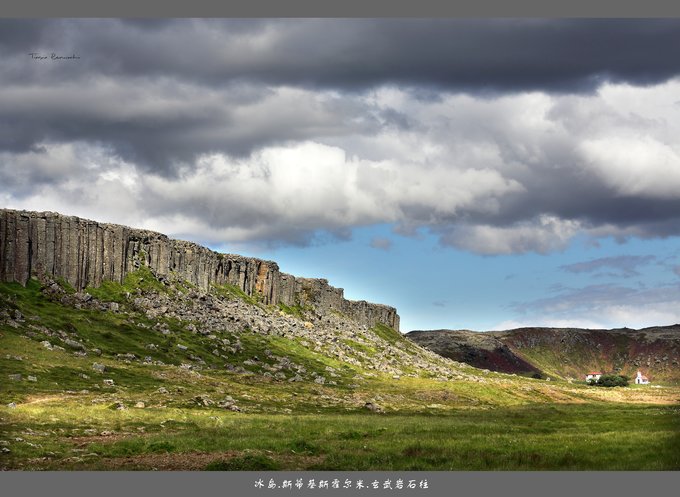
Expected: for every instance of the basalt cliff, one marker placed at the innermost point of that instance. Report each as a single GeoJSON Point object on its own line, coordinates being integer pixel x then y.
{"type": "Point", "coordinates": [87, 253]}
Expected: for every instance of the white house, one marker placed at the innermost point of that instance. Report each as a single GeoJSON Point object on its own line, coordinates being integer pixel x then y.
{"type": "Point", "coordinates": [593, 376]}
{"type": "Point", "coordinates": [640, 379]}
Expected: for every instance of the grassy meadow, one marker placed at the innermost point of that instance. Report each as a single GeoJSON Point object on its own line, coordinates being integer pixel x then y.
{"type": "Point", "coordinates": [60, 435]}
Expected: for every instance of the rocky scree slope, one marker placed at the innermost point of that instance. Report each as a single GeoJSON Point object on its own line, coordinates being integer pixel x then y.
{"type": "Point", "coordinates": [157, 324]}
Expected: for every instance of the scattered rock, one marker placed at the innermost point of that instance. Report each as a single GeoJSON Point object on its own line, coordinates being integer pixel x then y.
{"type": "Point", "coordinates": [32, 378]}
{"type": "Point", "coordinates": [83, 297]}
{"type": "Point", "coordinates": [126, 357]}
{"type": "Point", "coordinates": [108, 383]}
{"type": "Point", "coordinates": [99, 367]}
{"type": "Point", "coordinates": [228, 403]}
{"type": "Point", "coordinates": [163, 390]}
{"type": "Point", "coordinates": [47, 345]}
{"type": "Point", "coordinates": [74, 345]}
{"type": "Point", "coordinates": [12, 405]}
{"type": "Point", "coordinates": [203, 400]}
{"type": "Point", "coordinates": [182, 347]}
{"type": "Point", "coordinates": [140, 405]}
{"type": "Point", "coordinates": [5, 450]}
{"type": "Point", "coordinates": [15, 377]}
{"type": "Point", "coordinates": [372, 407]}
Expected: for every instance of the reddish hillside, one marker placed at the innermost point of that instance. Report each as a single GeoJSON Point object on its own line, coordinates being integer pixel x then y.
{"type": "Point", "coordinates": [564, 352]}
{"type": "Point", "coordinates": [481, 350]}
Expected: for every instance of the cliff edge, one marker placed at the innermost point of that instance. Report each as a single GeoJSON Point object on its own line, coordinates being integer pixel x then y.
{"type": "Point", "coordinates": [86, 253]}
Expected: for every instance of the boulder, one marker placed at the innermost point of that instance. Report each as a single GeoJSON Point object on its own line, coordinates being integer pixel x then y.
{"type": "Point", "coordinates": [74, 345]}
{"type": "Point", "coordinates": [99, 367]}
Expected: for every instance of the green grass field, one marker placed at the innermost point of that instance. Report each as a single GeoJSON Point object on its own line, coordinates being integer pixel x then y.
{"type": "Point", "coordinates": [66, 434]}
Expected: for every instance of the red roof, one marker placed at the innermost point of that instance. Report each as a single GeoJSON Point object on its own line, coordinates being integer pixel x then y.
{"type": "Point", "coordinates": [595, 373]}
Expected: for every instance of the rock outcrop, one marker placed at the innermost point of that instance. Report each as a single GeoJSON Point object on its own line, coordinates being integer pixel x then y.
{"type": "Point", "coordinates": [87, 253]}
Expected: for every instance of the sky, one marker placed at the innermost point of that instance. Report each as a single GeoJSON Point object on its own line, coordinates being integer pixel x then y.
{"type": "Point", "coordinates": [475, 174]}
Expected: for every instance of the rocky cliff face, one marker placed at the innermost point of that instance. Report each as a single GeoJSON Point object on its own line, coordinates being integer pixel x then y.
{"type": "Point", "coordinates": [87, 253]}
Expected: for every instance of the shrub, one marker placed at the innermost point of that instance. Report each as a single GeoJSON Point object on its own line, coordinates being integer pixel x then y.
{"type": "Point", "coordinates": [612, 380]}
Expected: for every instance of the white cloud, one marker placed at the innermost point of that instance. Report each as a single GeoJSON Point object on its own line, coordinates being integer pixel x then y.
{"type": "Point", "coordinates": [635, 166]}
{"type": "Point", "coordinates": [602, 306]}
{"type": "Point", "coordinates": [516, 173]}
{"type": "Point", "coordinates": [543, 235]}
{"type": "Point", "coordinates": [548, 322]}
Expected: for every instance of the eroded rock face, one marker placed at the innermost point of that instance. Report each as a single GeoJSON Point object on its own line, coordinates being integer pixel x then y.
{"type": "Point", "coordinates": [87, 253]}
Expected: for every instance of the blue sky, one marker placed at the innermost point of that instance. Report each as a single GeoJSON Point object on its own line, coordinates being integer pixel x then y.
{"type": "Point", "coordinates": [473, 173]}
{"type": "Point", "coordinates": [436, 287]}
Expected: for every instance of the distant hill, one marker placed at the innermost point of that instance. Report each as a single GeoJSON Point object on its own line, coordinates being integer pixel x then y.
{"type": "Point", "coordinates": [563, 352]}
{"type": "Point", "coordinates": [481, 350]}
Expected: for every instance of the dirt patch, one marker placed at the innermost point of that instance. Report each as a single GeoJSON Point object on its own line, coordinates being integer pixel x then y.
{"type": "Point", "coordinates": [197, 461]}
{"type": "Point", "coordinates": [191, 461]}
{"type": "Point", "coordinates": [41, 399]}
{"type": "Point", "coordinates": [113, 437]}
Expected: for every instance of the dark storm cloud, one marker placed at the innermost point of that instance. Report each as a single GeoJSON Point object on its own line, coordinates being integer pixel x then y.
{"type": "Point", "coordinates": [162, 125]}
{"type": "Point", "coordinates": [471, 55]}
{"type": "Point", "coordinates": [179, 62]}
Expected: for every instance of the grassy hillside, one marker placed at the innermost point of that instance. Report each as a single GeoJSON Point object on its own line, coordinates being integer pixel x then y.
{"type": "Point", "coordinates": [570, 353]}
{"type": "Point", "coordinates": [154, 374]}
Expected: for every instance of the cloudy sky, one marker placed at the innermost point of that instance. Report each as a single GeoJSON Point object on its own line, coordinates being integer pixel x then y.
{"type": "Point", "coordinates": [473, 173]}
